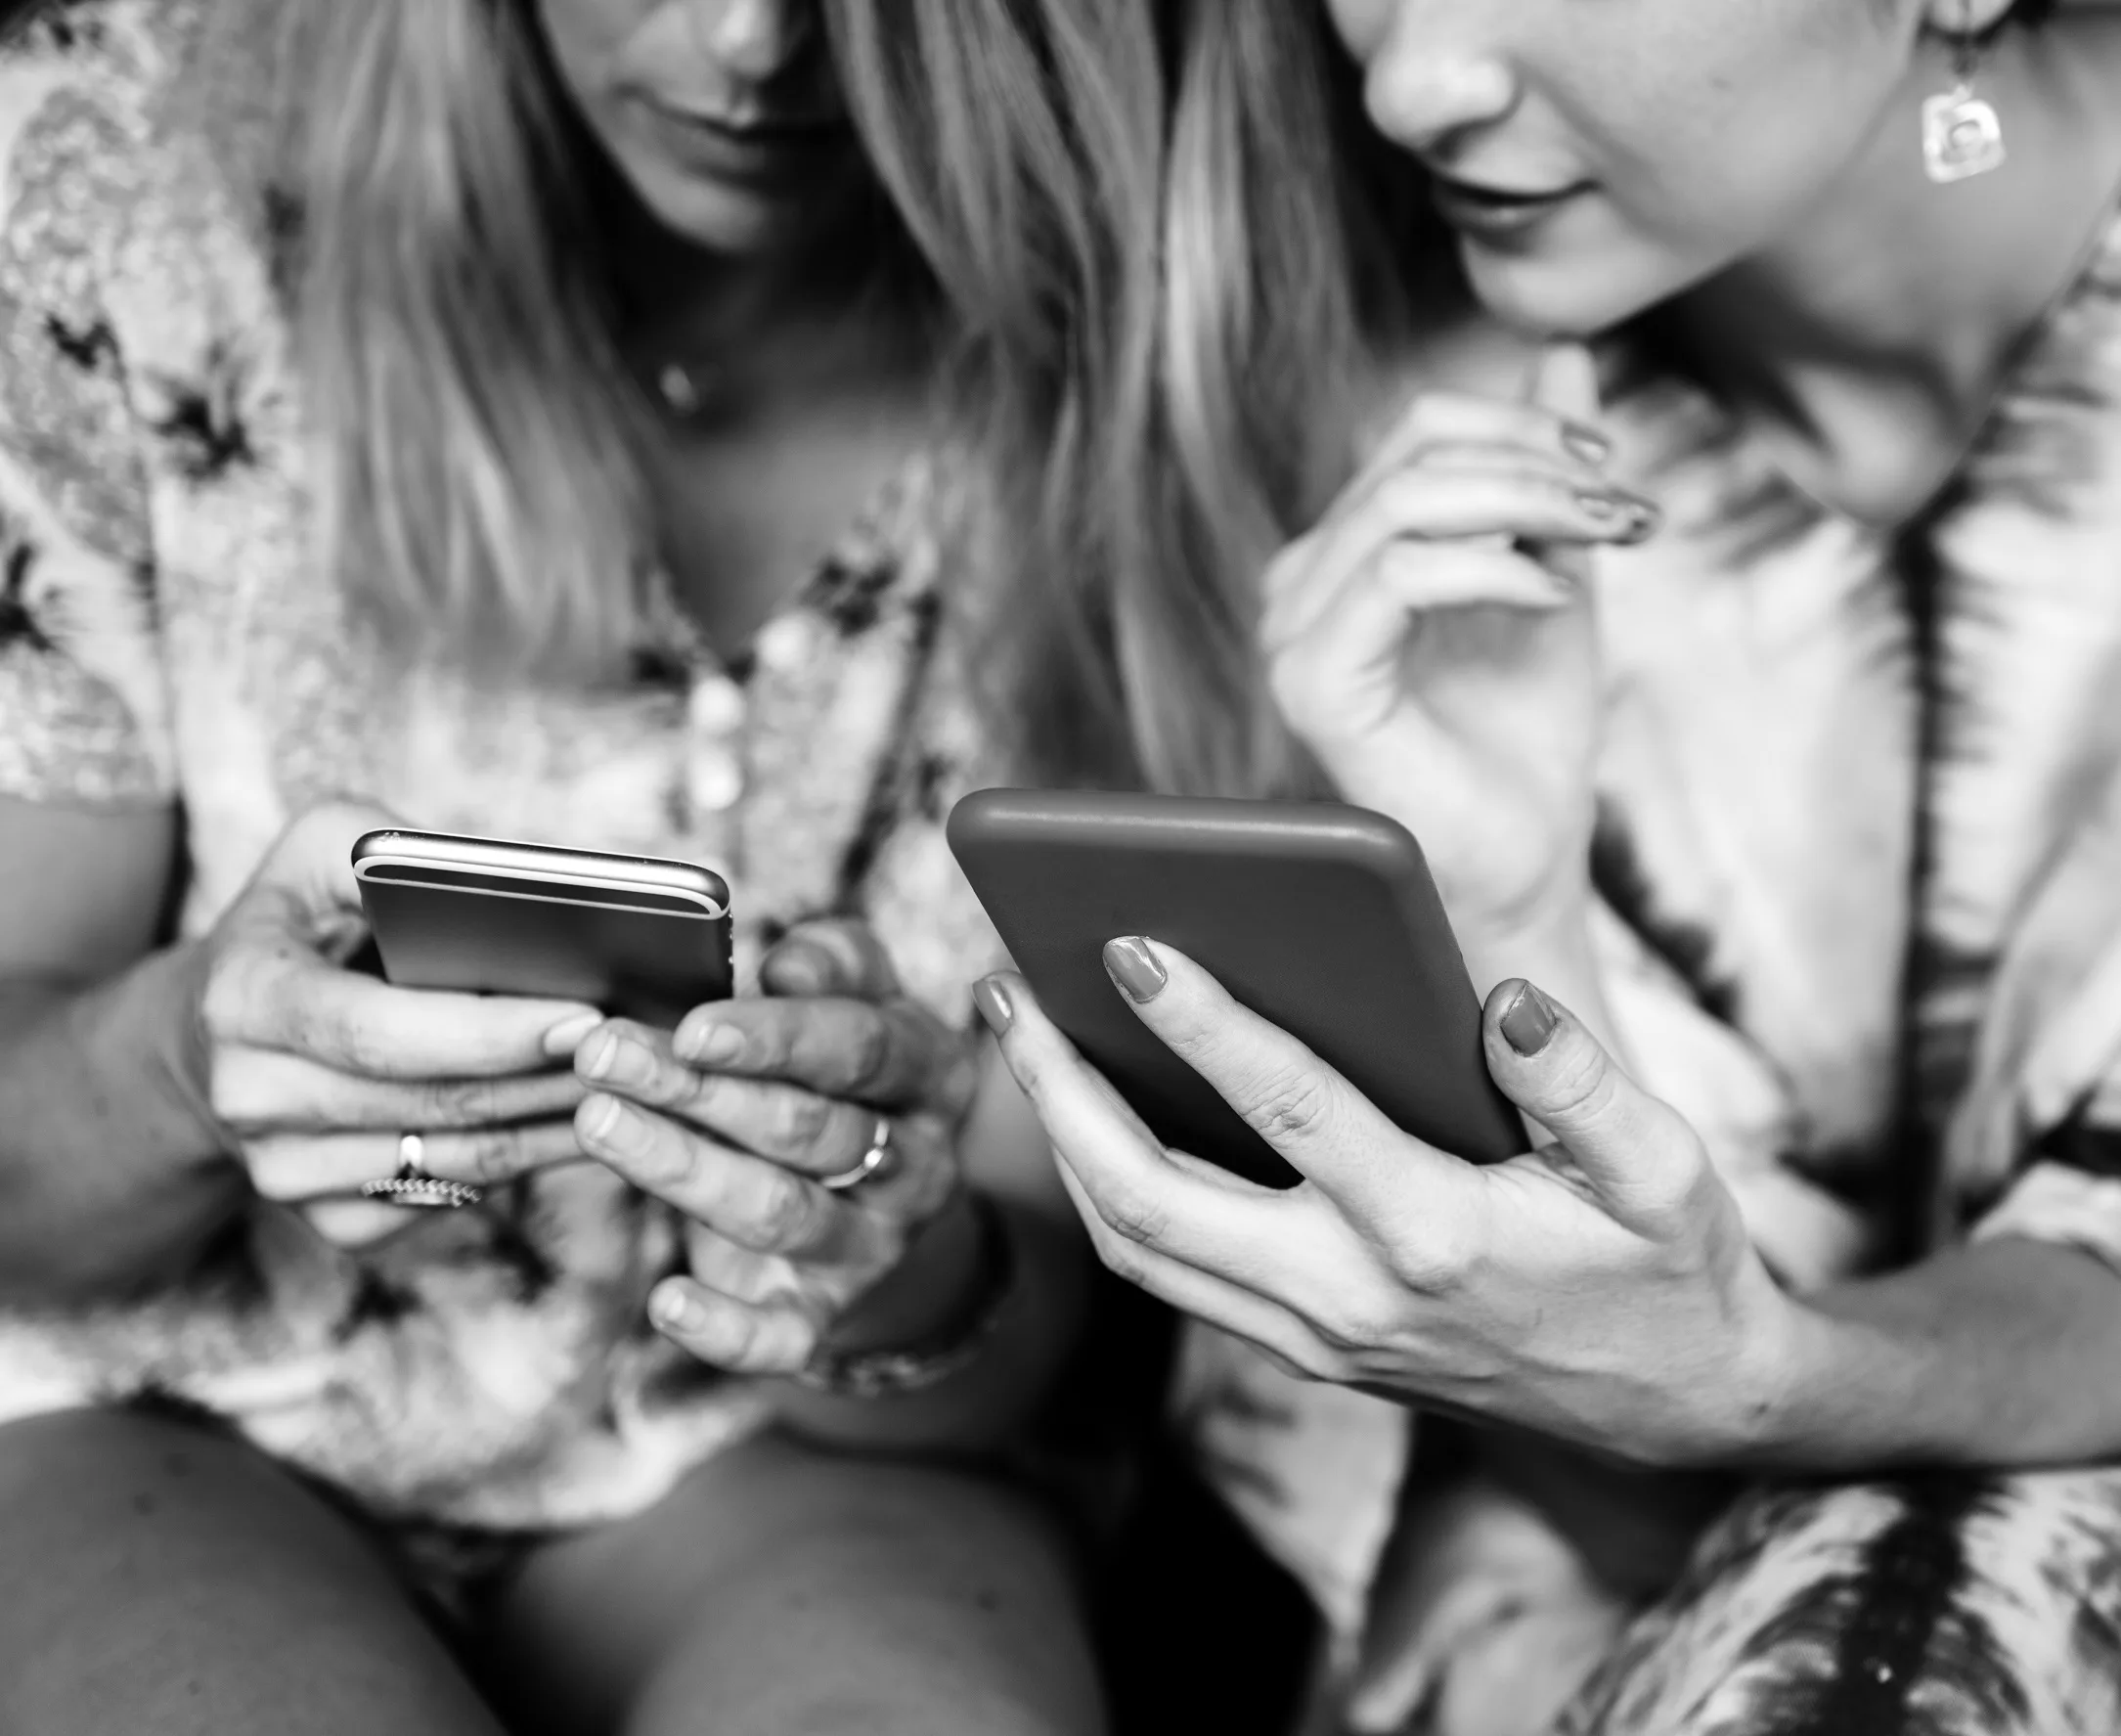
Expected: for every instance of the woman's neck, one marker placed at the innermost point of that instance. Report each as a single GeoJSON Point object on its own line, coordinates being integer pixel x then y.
{"type": "Point", "coordinates": [1869, 343]}
{"type": "Point", "coordinates": [836, 301]}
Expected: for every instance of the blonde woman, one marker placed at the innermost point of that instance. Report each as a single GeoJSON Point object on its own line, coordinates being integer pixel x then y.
{"type": "Point", "coordinates": [1810, 847]}
{"type": "Point", "coordinates": [588, 419]}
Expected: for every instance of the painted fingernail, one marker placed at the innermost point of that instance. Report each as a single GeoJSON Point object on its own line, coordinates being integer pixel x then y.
{"type": "Point", "coordinates": [992, 1000]}
{"type": "Point", "coordinates": [1530, 1022]}
{"type": "Point", "coordinates": [562, 1041]}
{"type": "Point", "coordinates": [1135, 969]}
{"type": "Point", "coordinates": [600, 1116]}
{"type": "Point", "coordinates": [1633, 516]}
{"type": "Point", "coordinates": [675, 1308]}
{"type": "Point", "coordinates": [714, 1042]}
{"type": "Point", "coordinates": [1587, 444]}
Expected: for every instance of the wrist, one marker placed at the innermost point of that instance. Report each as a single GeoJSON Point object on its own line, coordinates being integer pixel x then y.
{"type": "Point", "coordinates": [951, 1342]}
{"type": "Point", "coordinates": [1794, 1372]}
{"type": "Point", "coordinates": [918, 1298]}
{"type": "Point", "coordinates": [151, 1025]}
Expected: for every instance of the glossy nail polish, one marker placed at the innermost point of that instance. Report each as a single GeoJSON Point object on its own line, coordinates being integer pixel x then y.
{"type": "Point", "coordinates": [1134, 967]}
{"type": "Point", "coordinates": [992, 1000]}
{"type": "Point", "coordinates": [1530, 1022]}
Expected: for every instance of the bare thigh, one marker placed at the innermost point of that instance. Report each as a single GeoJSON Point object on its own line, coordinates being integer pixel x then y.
{"type": "Point", "coordinates": [783, 1590]}
{"type": "Point", "coordinates": [1944, 1605]}
{"type": "Point", "coordinates": [157, 1577]}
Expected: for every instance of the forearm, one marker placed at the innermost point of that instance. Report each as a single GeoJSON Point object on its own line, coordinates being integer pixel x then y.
{"type": "Point", "coordinates": [111, 1175]}
{"type": "Point", "coordinates": [982, 1405]}
{"type": "Point", "coordinates": [2005, 1353]}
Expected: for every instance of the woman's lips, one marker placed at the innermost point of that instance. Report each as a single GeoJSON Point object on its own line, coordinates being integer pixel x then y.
{"type": "Point", "coordinates": [761, 148]}
{"type": "Point", "coordinates": [1498, 214]}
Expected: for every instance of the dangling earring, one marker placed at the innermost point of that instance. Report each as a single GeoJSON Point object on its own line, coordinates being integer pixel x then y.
{"type": "Point", "coordinates": [1961, 133]}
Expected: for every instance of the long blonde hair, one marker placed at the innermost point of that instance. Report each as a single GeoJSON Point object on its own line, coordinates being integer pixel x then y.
{"type": "Point", "coordinates": [477, 479]}
{"type": "Point", "coordinates": [1293, 267]}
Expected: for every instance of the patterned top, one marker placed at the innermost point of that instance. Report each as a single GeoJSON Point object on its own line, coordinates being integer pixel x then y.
{"type": "Point", "coordinates": [164, 638]}
{"type": "Point", "coordinates": [1859, 863]}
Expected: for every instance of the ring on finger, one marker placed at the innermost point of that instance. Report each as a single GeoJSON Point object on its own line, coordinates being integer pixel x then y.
{"type": "Point", "coordinates": [412, 1186]}
{"type": "Point", "coordinates": [871, 1164]}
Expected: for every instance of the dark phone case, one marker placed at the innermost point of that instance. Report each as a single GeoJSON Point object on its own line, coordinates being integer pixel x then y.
{"type": "Point", "coordinates": [651, 961]}
{"type": "Point", "coordinates": [1321, 919]}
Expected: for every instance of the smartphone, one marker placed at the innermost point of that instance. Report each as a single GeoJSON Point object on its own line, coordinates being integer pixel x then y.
{"type": "Point", "coordinates": [638, 937]}
{"type": "Point", "coordinates": [1320, 917]}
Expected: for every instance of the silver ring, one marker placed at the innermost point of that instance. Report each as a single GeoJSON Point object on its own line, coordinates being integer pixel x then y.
{"type": "Point", "coordinates": [412, 1186]}
{"type": "Point", "coordinates": [872, 1161]}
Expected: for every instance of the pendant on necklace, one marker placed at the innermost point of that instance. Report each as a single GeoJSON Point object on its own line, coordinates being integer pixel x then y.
{"type": "Point", "coordinates": [679, 390]}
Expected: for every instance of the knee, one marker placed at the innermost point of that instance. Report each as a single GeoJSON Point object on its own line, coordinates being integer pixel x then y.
{"type": "Point", "coordinates": [105, 1449]}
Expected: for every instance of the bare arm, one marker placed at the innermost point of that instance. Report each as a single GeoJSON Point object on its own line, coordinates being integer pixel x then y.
{"type": "Point", "coordinates": [2003, 1354]}
{"type": "Point", "coordinates": [110, 1172]}
{"type": "Point", "coordinates": [145, 1096]}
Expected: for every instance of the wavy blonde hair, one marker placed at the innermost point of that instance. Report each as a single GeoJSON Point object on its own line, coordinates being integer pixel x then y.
{"type": "Point", "coordinates": [479, 478]}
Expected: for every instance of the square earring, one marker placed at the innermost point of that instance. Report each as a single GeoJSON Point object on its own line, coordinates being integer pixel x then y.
{"type": "Point", "coordinates": [1962, 136]}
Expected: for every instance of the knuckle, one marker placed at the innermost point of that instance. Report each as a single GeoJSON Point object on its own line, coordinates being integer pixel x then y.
{"type": "Point", "coordinates": [806, 1119]}
{"type": "Point", "coordinates": [780, 1212]}
{"type": "Point", "coordinates": [459, 1103]}
{"type": "Point", "coordinates": [769, 1045]}
{"type": "Point", "coordinates": [1353, 1319]}
{"type": "Point", "coordinates": [493, 1156]}
{"type": "Point", "coordinates": [1583, 1087]}
{"type": "Point", "coordinates": [1288, 1107]}
{"type": "Point", "coordinates": [1437, 1263]}
{"type": "Point", "coordinates": [1136, 1221]}
{"type": "Point", "coordinates": [871, 1047]}
{"type": "Point", "coordinates": [1122, 1259]}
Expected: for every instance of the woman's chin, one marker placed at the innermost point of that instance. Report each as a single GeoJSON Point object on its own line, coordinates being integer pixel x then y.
{"type": "Point", "coordinates": [1562, 293]}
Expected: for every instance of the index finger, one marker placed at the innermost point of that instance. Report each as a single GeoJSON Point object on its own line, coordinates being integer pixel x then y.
{"type": "Point", "coordinates": [1329, 1132]}
{"type": "Point", "coordinates": [1462, 419]}
{"type": "Point", "coordinates": [300, 1004]}
{"type": "Point", "coordinates": [1144, 1196]}
{"type": "Point", "coordinates": [897, 1056]}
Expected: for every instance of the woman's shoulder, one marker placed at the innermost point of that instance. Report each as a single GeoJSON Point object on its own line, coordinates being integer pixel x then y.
{"type": "Point", "coordinates": [115, 59]}
{"type": "Point", "coordinates": [87, 95]}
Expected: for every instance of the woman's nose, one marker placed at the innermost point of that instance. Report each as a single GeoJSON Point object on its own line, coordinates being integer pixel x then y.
{"type": "Point", "coordinates": [1420, 93]}
{"type": "Point", "coordinates": [754, 39]}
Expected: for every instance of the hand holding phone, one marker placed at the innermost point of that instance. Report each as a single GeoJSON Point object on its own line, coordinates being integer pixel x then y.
{"type": "Point", "coordinates": [808, 1135]}
{"type": "Point", "coordinates": [1321, 919]}
{"type": "Point", "coordinates": [315, 1073]}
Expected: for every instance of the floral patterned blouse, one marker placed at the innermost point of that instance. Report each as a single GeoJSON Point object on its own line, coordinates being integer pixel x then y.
{"type": "Point", "coordinates": [166, 639]}
{"type": "Point", "coordinates": [1859, 863]}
